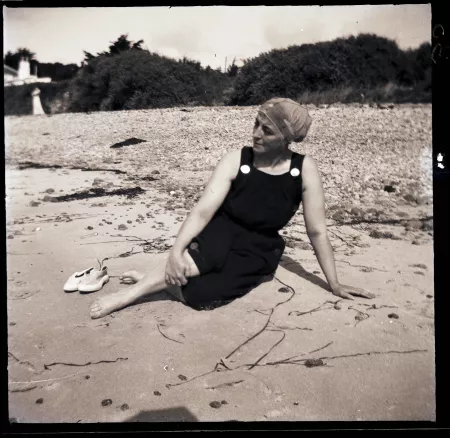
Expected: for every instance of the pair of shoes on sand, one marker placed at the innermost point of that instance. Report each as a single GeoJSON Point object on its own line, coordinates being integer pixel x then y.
{"type": "Point", "coordinates": [89, 280]}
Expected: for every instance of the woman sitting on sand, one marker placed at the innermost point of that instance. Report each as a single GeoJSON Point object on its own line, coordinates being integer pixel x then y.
{"type": "Point", "coordinates": [230, 242]}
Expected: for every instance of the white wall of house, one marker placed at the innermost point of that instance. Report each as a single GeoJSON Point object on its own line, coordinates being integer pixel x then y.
{"type": "Point", "coordinates": [24, 76]}
{"type": "Point", "coordinates": [24, 69]}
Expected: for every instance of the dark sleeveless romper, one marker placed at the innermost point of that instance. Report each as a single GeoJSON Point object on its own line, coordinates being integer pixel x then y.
{"type": "Point", "coordinates": [241, 243]}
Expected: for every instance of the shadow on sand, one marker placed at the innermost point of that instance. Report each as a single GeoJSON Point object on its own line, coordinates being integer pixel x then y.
{"type": "Point", "coordinates": [296, 268]}
{"type": "Point", "coordinates": [163, 415]}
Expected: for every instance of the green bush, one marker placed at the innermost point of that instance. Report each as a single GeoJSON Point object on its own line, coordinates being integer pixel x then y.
{"type": "Point", "coordinates": [344, 68]}
{"type": "Point", "coordinates": [139, 80]}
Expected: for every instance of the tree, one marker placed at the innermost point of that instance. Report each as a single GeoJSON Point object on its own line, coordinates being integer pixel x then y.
{"type": "Point", "coordinates": [57, 71]}
{"type": "Point", "coordinates": [233, 69]}
{"type": "Point", "coordinates": [12, 59]}
{"type": "Point", "coordinates": [88, 56]}
{"type": "Point", "coordinates": [122, 44]}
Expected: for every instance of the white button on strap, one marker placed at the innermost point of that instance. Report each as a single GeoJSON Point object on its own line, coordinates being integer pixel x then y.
{"type": "Point", "coordinates": [245, 168]}
{"type": "Point", "coordinates": [295, 172]}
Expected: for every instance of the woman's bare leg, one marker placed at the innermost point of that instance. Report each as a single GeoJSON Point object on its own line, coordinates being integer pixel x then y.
{"type": "Point", "coordinates": [152, 282]}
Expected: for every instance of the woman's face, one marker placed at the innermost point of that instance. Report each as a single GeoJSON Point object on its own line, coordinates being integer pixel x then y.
{"type": "Point", "coordinates": [266, 137]}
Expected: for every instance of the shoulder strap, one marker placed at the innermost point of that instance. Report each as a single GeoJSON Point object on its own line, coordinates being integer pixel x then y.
{"type": "Point", "coordinates": [297, 163]}
{"type": "Point", "coordinates": [245, 167]}
{"type": "Point", "coordinates": [246, 156]}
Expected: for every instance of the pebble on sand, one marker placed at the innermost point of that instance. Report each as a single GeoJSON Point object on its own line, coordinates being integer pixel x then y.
{"type": "Point", "coordinates": [50, 191]}
{"type": "Point", "coordinates": [34, 204]}
{"type": "Point", "coordinates": [413, 225]}
{"type": "Point", "coordinates": [97, 181]}
{"type": "Point", "coordinates": [124, 407]}
{"type": "Point", "coordinates": [106, 402]}
{"type": "Point", "coordinates": [427, 225]}
{"type": "Point", "coordinates": [419, 265]}
{"type": "Point", "coordinates": [409, 197]}
{"type": "Point", "coordinates": [375, 234]}
{"type": "Point", "coordinates": [122, 227]}
{"type": "Point", "coordinates": [157, 393]}
{"type": "Point", "coordinates": [39, 401]}
{"type": "Point", "coordinates": [215, 404]}
{"type": "Point", "coordinates": [356, 211]}
{"type": "Point", "coordinates": [314, 363]}
{"type": "Point", "coordinates": [393, 316]}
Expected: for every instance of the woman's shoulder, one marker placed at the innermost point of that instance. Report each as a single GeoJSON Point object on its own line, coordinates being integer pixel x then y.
{"type": "Point", "coordinates": [308, 162]}
{"type": "Point", "coordinates": [233, 156]}
{"type": "Point", "coordinates": [310, 171]}
{"type": "Point", "coordinates": [230, 162]}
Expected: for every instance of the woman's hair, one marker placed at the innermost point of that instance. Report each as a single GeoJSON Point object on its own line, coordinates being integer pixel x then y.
{"type": "Point", "coordinates": [292, 120]}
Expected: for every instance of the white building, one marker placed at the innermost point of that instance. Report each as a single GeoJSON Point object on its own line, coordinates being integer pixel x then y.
{"type": "Point", "coordinates": [23, 76]}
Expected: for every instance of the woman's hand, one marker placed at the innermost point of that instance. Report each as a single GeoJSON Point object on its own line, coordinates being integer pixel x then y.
{"type": "Point", "coordinates": [176, 268]}
{"type": "Point", "coordinates": [343, 291]}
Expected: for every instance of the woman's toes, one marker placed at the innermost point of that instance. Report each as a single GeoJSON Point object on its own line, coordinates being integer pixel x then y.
{"type": "Point", "coordinates": [131, 276]}
{"type": "Point", "coordinates": [127, 281]}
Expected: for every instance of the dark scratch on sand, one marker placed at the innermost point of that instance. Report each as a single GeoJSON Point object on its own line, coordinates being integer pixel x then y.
{"type": "Point", "coordinates": [223, 385]}
{"type": "Point", "coordinates": [47, 367]}
{"type": "Point", "coordinates": [170, 339]}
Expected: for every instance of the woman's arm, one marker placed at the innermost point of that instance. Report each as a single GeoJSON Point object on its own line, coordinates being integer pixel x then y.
{"type": "Point", "coordinates": [212, 198]}
{"type": "Point", "coordinates": [314, 214]}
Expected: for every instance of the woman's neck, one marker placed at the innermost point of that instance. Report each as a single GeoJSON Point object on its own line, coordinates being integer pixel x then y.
{"type": "Point", "coordinates": [271, 159]}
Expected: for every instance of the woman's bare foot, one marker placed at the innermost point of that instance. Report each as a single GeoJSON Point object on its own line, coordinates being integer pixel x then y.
{"type": "Point", "coordinates": [131, 277]}
{"type": "Point", "coordinates": [110, 303]}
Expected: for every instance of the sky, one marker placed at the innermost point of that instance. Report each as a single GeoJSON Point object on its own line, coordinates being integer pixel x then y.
{"type": "Point", "coordinates": [212, 35]}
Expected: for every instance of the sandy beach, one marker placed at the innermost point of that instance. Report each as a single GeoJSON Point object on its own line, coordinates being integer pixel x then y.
{"type": "Point", "coordinates": [287, 351]}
